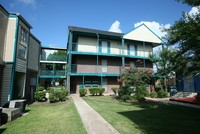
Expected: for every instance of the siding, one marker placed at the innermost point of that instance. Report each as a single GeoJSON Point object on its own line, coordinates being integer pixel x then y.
{"type": "Point", "coordinates": [10, 40]}
{"type": "Point", "coordinates": [115, 47]}
{"type": "Point", "coordinates": [21, 66]}
{"type": "Point", "coordinates": [87, 44]}
{"type": "Point", "coordinates": [7, 73]}
{"type": "Point", "coordinates": [19, 85]}
{"type": "Point", "coordinates": [4, 23]}
{"type": "Point", "coordinates": [33, 55]}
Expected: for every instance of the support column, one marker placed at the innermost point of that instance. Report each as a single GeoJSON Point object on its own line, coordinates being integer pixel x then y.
{"type": "Point", "coordinates": [123, 59]}
{"type": "Point", "coordinates": [83, 81]}
{"type": "Point", "coordinates": [144, 50]}
{"type": "Point", "coordinates": [69, 63]}
{"type": "Point", "coordinates": [97, 53]}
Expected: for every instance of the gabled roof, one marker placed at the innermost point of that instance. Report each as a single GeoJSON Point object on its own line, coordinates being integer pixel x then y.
{"type": "Point", "coordinates": [88, 30]}
{"type": "Point", "coordinates": [143, 33]}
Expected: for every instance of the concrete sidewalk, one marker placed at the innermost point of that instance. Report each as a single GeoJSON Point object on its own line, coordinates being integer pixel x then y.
{"type": "Point", "coordinates": [166, 100]}
{"type": "Point", "coordinates": [93, 122]}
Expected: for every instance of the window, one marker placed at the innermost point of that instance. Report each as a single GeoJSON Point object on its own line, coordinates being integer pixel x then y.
{"type": "Point", "coordinates": [22, 52]}
{"type": "Point", "coordinates": [23, 37]}
{"type": "Point", "coordinates": [22, 48]}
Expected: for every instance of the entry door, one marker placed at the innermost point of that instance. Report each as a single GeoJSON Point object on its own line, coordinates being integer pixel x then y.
{"type": "Point", "coordinates": [104, 83]}
{"type": "Point", "coordinates": [104, 47]}
{"type": "Point", "coordinates": [104, 66]}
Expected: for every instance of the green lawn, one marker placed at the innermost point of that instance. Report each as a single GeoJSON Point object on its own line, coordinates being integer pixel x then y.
{"type": "Point", "coordinates": [45, 118]}
{"type": "Point", "coordinates": [148, 118]}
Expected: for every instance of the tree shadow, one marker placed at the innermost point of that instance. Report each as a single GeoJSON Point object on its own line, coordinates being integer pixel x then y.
{"type": "Point", "coordinates": [2, 130]}
{"type": "Point", "coordinates": [165, 119]}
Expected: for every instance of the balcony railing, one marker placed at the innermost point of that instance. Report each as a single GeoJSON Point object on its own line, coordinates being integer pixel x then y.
{"type": "Point", "coordinates": [85, 48]}
{"type": "Point", "coordinates": [52, 73]}
{"type": "Point", "coordinates": [99, 69]}
{"type": "Point", "coordinates": [96, 69]}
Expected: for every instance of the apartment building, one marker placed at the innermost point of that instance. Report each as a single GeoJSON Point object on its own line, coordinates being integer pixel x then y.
{"type": "Point", "coordinates": [3, 22]}
{"type": "Point", "coordinates": [52, 67]}
{"type": "Point", "coordinates": [97, 58]}
{"type": "Point", "coordinates": [15, 42]}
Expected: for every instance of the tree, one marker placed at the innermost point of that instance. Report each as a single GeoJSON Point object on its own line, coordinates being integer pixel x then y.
{"type": "Point", "coordinates": [136, 77]}
{"type": "Point", "coordinates": [164, 61]}
{"type": "Point", "coordinates": [185, 34]}
{"type": "Point", "coordinates": [190, 2]}
{"type": "Point", "coordinates": [60, 55]}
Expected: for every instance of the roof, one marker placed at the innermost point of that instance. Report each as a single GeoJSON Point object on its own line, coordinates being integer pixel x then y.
{"type": "Point", "coordinates": [143, 33]}
{"type": "Point", "coordinates": [88, 30]}
{"type": "Point", "coordinates": [53, 48]}
{"type": "Point", "coordinates": [4, 10]}
{"type": "Point", "coordinates": [22, 19]}
{"type": "Point", "coordinates": [35, 38]}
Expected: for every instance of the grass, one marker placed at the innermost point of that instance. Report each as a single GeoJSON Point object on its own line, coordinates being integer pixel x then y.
{"type": "Point", "coordinates": [146, 118]}
{"type": "Point", "coordinates": [45, 118]}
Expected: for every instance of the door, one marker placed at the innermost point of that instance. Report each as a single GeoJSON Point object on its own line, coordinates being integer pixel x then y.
{"type": "Point", "coordinates": [104, 83]}
{"type": "Point", "coordinates": [132, 49]}
{"type": "Point", "coordinates": [104, 47]}
{"type": "Point", "coordinates": [104, 66]}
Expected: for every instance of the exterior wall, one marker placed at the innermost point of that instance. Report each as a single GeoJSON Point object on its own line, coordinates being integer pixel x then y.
{"type": "Point", "coordinates": [21, 66]}
{"type": "Point", "coordinates": [88, 64]}
{"type": "Point", "coordinates": [19, 85]}
{"type": "Point", "coordinates": [3, 29]}
{"type": "Point", "coordinates": [78, 83]}
{"type": "Point", "coordinates": [115, 47]}
{"type": "Point", "coordinates": [112, 82]}
{"type": "Point", "coordinates": [10, 41]}
{"type": "Point", "coordinates": [140, 50]}
{"type": "Point", "coordinates": [31, 85]}
{"type": "Point", "coordinates": [148, 50]}
{"type": "Point", "coordinates": [6, 86]}
{"type": "Point", "coordinates": [33, 54]}
{"type": "Point", "coordinates": [86, 44]}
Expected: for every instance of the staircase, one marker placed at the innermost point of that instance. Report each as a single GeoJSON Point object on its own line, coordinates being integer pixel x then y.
{"type": "Point", "coordinates": [183, 95]}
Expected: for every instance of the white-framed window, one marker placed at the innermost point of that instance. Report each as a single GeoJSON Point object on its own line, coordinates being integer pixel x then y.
{"type": "Point", "coordinates": [22, 47]}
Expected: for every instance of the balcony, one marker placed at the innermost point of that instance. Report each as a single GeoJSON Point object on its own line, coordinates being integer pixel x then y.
{"type": "Point", "coordinates": [51, 73]}
{"type": "Point", "coordinates": [113, 50]}
{"type": "Point", "coordinates": [95, 69]}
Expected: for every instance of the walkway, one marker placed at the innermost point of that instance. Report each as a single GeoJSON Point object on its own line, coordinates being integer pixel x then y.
{"type": "Point", "coordinates": [166, 100]}
{"type": "Point", "coordinates": [93, 122]}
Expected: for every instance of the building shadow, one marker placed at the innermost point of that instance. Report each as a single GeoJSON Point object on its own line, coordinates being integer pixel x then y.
{"type": "Point", "coordinates": [164, 119]}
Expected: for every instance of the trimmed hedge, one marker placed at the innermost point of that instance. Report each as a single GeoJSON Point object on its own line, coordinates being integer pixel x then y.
{"type": "Point", "coordinates": [96, 90]}
{"type": "Point", "coordinates": [40, 96]}
{"type": "Point", "coordinates": [56, 96]}
{"type": "Point", "coordinates": [82, 91]}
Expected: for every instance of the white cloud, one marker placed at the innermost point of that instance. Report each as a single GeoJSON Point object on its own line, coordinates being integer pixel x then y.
{"type": "Point", "coordinates": [155, 27]}
{"type": "Point", "coordinates": [115, 27]}
{"type": "Point", "coordinates": [194, 10]}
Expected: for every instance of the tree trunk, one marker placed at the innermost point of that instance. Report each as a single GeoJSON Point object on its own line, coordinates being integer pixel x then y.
{"type": "Point", "coordinates": [165, 84]}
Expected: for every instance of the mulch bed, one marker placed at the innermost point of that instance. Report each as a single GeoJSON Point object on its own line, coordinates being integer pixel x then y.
{"type": "Point", "coordinates": [191, 100]}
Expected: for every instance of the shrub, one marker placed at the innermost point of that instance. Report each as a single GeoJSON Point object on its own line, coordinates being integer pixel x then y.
{"type": "Point", "coordinates": [115, 90]}
{"type": "Point", "coordinates": [100, 90]}
{"type": "Point", "coordinates": [162, 94]}
{"type": "Point", "coordinates": [41, 88]}
{"type": "Point", "coordinates": [93, 90]}
{"type": "Point", "coordinates": [40, 96]}
{"type": "Point", "coordinates": [57, 95]}
{"type": "Point", "coordinates": [125, 93]}
{"type": "Point", "coordinates": [96, 90]}
{"type": "Point", "coordinates": [140, 93]}
{"type": "Point", "coordinates": [153, 95]}
{"type": "Point", "coordinates": [53, 98]}
{"type": "Point", "coordinates": [158, 89]}
{"type": "Point", "coordinates": [82, 91]}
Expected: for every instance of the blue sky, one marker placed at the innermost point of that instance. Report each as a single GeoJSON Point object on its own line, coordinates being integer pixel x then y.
{"type": "Point", "coordinates": [50, 18]}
